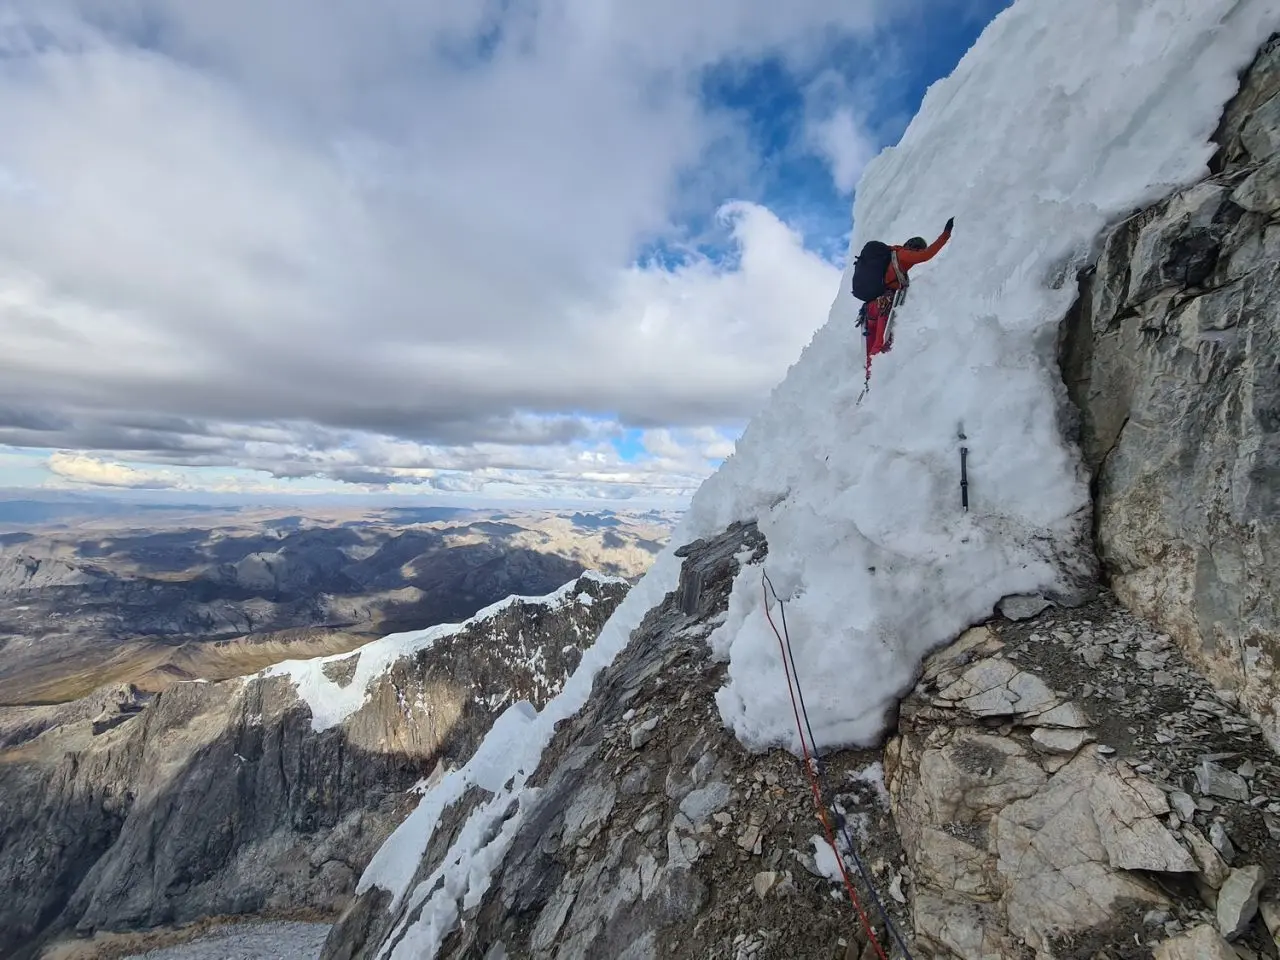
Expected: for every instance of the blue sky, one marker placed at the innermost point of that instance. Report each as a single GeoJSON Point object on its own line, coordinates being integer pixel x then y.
{"type": "Point", "coordinates": [790, 177]}
{"type": "Point", "coordinates": [551, 248]}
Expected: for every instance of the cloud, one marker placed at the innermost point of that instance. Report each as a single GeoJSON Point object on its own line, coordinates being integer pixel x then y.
{"type": "Point", "coordinates": [293, 227]}
{"type": "Point", "coordinates": [362, 463]}
{"type": "Point", "coordinates": [846, 147]}
{"type": "Point", "coordinates": [837, 111]}
{"type": "Point", "coordinates": [103, 473]}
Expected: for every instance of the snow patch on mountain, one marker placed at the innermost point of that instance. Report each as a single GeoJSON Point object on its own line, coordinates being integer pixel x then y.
{"type": "Point", "coordinates": [331, 703]}
{"type": "Point", "coordinates": [503, 763]}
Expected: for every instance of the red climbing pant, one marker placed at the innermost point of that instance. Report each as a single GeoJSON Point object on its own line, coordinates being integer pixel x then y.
{"type": "Point", "coordinates": [877, 318]}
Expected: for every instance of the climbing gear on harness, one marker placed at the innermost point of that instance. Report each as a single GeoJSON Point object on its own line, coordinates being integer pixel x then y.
{"type": "Point", "coordinates": [879, 340]}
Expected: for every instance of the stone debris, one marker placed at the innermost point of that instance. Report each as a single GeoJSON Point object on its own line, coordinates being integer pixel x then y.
{"type": "Point", "coordinates": [642, 733]}
{"type": "Point", "coordinates": [701, 804]}
{"type": "Point", "coordinates": [1018, 832]}
{"type": "Point", "coordinates": [1059, 741]}
{"type": "Point", "coordinates": [752, 838]}
{"type": "Point", "coordinates": [1221, 842]}
{"type": "Point", "coordinates": [1269, 910]}
{"type": "Point", "coordinates": [895, 889]}
{"type": "Point", "coordinates": [1023, 607]}
{"type": "Point", "coordinates": [1211, 866]}
{"type": "Point", "coordinates": [1238, 900]}
{"type": "Point", "coordinates": [1216, 781]}
{"type": "Point", "coordinates": [1202, 943]}
{"type": "Point", "coordinates": [1126, 809]}
{"type": "Point", "coordinates": [764, 881]}
{"type": "Point", "coordinates": [1183, 805]}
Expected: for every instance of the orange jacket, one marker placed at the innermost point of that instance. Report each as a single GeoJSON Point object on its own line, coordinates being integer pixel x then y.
{"type": "Point", "coordinates": [909, 258]}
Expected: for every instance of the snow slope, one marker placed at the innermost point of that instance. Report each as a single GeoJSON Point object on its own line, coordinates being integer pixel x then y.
{"type": "Point", "coordinates": [1062, 117]}
{"type": "Point", "coordinates": [503, 763]}
{"type": "Point", "coordinates": [331, 703]}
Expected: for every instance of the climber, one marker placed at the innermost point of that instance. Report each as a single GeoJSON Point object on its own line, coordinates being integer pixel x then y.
{"type": "Point", "coordinates": [911, 253]}
{"type": "Point", "coordinates": [880, 280]}
{"type": "Point", "coordinates": [883, 288]}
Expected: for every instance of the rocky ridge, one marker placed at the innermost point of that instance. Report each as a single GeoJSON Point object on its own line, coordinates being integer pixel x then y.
{"type": "Point", "coordinates": [1065, 786]}
{"type": "Point", "coordinates": [229, 798]}
{"type": "Point", "coordinates": [652, 833]}
{"type": "Point", "coordinates": [1071, 787]}
{"type": "Point", "coordinates": [1170, 357]}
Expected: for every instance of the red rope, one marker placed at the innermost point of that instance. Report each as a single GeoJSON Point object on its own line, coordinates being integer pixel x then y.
{"type": "Point", "coordinates": [817, 789]}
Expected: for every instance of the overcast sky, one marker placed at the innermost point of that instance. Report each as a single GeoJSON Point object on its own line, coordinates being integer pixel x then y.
{"type": "Point", "coordinates": [539, 248]}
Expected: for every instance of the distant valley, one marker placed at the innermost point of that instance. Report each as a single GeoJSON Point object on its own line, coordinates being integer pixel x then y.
{"type": "Point", "coordinates": [93, 594]}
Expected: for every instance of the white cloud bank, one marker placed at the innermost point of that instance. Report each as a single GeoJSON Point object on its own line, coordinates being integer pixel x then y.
{"type": "Point", "coordinates": [385, 219]}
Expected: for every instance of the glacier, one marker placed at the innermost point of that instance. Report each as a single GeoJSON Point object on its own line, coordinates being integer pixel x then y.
{"type": "Point", "coordinates": [1060, 119]}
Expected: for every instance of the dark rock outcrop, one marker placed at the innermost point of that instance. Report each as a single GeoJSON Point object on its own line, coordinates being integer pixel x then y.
{"type": "Point", "coordinates": [223, 798]}
{"type": "Point", "coordinates": [1171, 357]}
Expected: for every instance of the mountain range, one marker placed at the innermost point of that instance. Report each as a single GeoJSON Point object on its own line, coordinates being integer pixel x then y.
{"type": "Point", "coordinates": [153, 597]}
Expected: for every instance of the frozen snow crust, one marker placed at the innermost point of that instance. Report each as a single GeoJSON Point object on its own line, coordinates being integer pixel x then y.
{"type": "Point", "coordinates": [1061, 118]}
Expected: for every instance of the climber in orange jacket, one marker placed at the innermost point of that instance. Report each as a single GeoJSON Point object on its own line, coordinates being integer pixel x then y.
{"type": "Point", "coordinates": [878, 298]}
{"type": "Point", "coordinates": [912, 253]}
{"type": "Point", "coordinates": [876, 313]}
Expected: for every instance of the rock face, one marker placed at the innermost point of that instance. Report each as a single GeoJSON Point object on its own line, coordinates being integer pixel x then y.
{"type": "Point", "coordinates": [1048, 784]}
{"type": "Point", "coordinates": [1065, 787]}
{"type": "Point", "coordinates": [652, 833]}
{"type": "Point", "coordinates": [1171, 359]}
{"type": "Point", "coordinates": [224, 798]}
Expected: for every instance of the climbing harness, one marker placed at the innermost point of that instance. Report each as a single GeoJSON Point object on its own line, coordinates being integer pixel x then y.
{"type": "Point", "coordinates": [813, 767]}
{"type": "Point", "coordinates": [888, 306]}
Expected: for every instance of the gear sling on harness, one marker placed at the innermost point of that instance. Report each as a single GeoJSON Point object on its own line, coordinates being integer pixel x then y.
{"type": "Point", "coordinates": [870, 269]}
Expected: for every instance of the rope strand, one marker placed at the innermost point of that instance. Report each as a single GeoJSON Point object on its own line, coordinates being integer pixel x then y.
{"type": "Point", "coordinates": [817, 795]}
{"type": "Point", "coordinates": [784, 641]}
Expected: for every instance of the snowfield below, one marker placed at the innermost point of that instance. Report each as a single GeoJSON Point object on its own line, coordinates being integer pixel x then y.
{"type": "Point", "coordinates": [1060, 119]}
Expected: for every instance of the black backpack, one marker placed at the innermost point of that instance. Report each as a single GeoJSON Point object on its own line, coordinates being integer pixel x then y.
{"type": "Point", "coordinates": [869, 270]}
